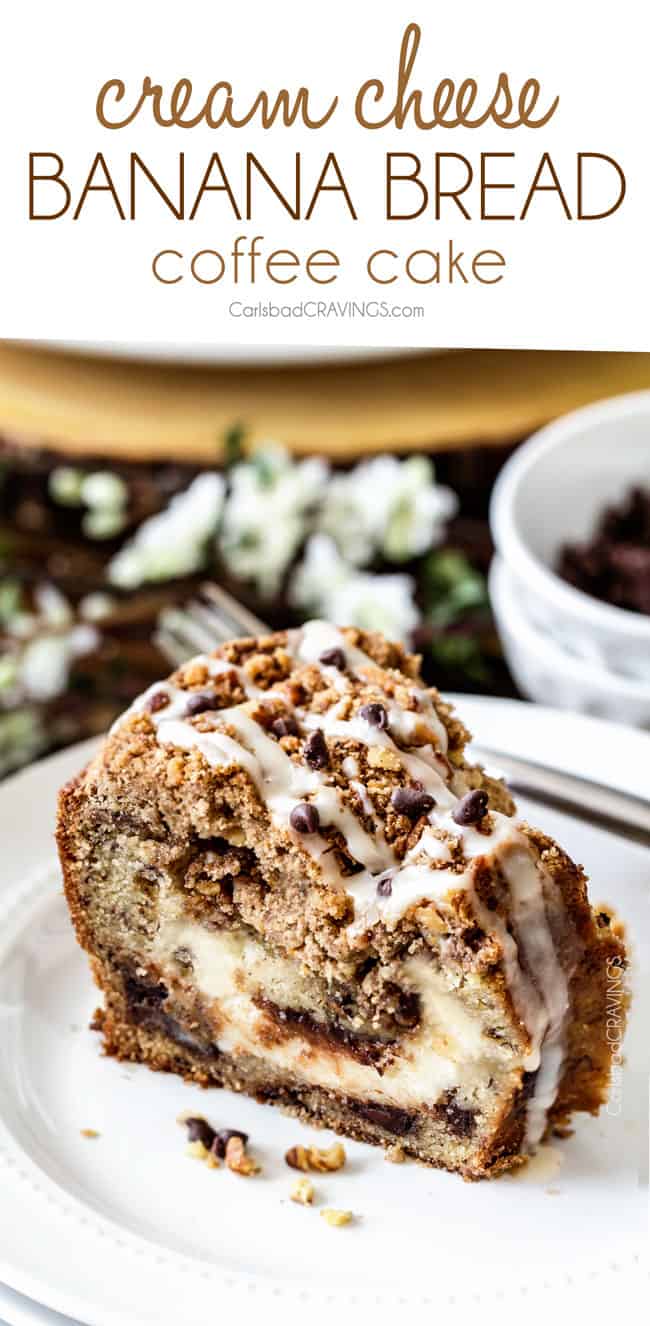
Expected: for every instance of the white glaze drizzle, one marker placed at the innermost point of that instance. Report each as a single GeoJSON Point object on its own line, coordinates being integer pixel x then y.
{"type": "Point", "coordinates": [281, 782]}
{"type": "Point", "coordinates": [175, 708]}
{"type": "Point", "coordinates": [359, 729]}
{"type": "Point", "coordinates": [364, 800]}
{"type": "Point", "coordinates": [177, 697]}
{"type": "Point", "coordinates": [539, 990]}
{"type": "Point", "coordinates": [315, 638]}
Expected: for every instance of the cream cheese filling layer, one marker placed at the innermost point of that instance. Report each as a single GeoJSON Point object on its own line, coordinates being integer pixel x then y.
{"type": "Point", "coordinates": [446, 1051]}
{"type": "Point", "coordinates": [538, 985]}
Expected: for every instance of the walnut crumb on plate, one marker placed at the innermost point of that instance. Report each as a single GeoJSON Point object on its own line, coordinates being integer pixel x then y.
{"type": "Point", "coordinates": [237, 1160]}
{"type": "Point", "coordinates": [303, 1192]}
{"type": "Point", "coordinates": [321, 1159]}
{"type": "Point", "coordinates": [336, 1218]}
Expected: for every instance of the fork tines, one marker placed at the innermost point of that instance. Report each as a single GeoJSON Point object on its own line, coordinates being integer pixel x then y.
{"type": "Point", "coordinates": [204, 623]}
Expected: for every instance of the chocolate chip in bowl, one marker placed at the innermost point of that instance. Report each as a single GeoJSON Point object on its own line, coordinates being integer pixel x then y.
{"type": "Point", "coordinates": [568, 516]}
{"type": "Point", "coordinates": [614, 564]}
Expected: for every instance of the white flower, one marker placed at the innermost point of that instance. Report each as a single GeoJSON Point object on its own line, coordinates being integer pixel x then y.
{"type": "Point", "coordinates": [321, 571]}
{"type": "Point", "coordinates": [52, 606]}
{"type": "Point", "coordinates": [388, 506]}
{"type": "Point", "coordinates": [376, 603]}
{"type": "Point", "coordinates": [104, 494]}
{"type": "Point", "coordinates": [46, 661]}
{"type": "Point", "coordinates": [104, 490]}
{"type": "Point", "coordinates": [268, 512]}
{"type": "Point", "coordinates": [51, 612]}
{"type": "Point", "coordinates": [324, 583]}
{"type": "Point", "coordinates": [104, 522]}
{"type": "Point", "coordinates": [43, 647]}
{"type": "Point", "coordinates": [64, 485]}
{"type": "Point", "coordinates": [94, 607]}
{"type": "Point", "coordinates": [174, 542]}
{"type": "Point", "coordinates": [22, 738]}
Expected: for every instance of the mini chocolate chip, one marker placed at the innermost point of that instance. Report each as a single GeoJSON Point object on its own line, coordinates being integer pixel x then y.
{"type": "Point", "coordinates": [388, 1117]}
{"type": "Point", "coordinates": [412, 801]}
{"type": "Point", "coordinates": [385, 887]}
{"type": "Point", "coordinates": [333, 658]}
{"type": "Point", "coordinates": [460, 1120]}
{"type": "Point", "coordinates": [144, 994]}
{"type": "Point", "coordinates": [199, 1130]}
{"type": "Point", "coordinates": [315, 750]}
{"type": "Point", "coordinates": [202, 700]}
{"type": "Point", "coordinates": [285, 726]}
{"type": "Point", "coordinates": [375, 714]}
{"type": "Point", "coordinates": [472, 807]}
{"type": "Point", "coordinates": [304, 818]}
{"type": "Point", "coordinates": [159, 700]}
{"type": "Point", "coordinates": [407, 1013]}
{"type": "Point", "coordinates": [222, 1138]}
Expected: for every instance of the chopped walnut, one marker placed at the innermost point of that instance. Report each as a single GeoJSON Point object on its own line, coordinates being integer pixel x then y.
{"type": "Point", "coordinates": [264, 669]}
{"type": "Point", "coordinates": [396, 1154]}
{"type": "Point", "coordinates": [336, 1218]}
{"type": "Point", "coordinates": [197, 1150]}
{"type": "Point", "coordinates": [238, 1161]}
{"type": "Point", "coordinates": [174, 771]}
{"type": "Point", "coordinates": [303, 1192]}
{"type": "Point", "coordinates": [194, 673]}
{"type": "Point", "coordinates": [323, 1161]}
{"type": "Point", "coordinates": [380, 757]}
{"type": "Point", "coordinates": [296, 1158]}
{"type": "Point", "coordinates": [327, 1160]}
{"type": "Point", "coordinates": [430, 919]}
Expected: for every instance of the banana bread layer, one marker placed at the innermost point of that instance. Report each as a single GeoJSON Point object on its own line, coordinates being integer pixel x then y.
{"type": "Point", "coordinates": [292, 882]}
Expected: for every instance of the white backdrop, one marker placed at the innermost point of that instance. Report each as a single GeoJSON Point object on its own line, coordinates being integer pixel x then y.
{"type": "Point", "coordinates": [565, 283]}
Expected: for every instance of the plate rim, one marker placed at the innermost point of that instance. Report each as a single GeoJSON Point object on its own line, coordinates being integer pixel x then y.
{"type": "Point", "coordinates": [277, 1294]}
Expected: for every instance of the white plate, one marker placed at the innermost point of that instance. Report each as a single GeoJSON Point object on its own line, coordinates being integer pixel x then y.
{"type": "Point", "coordinates": [16, 1310]}
{"type": "Point", "coordinates": [126, 1228]}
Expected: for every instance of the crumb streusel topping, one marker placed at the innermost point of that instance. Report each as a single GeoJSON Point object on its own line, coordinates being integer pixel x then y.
{"type": "Point", "coordinates": [361, 767]}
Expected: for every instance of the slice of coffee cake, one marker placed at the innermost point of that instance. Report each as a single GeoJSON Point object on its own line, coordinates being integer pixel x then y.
{"type": "Point", "coordinates": [291, 883]}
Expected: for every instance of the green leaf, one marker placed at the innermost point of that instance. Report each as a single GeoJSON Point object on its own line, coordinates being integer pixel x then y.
{"type": "Point", "coordinates": [10, 596]}
{"type": "Point", "coordinates": [452, 588]}
{"type": "Point", "coordinates": [233, 445]}
{"type": "Point", "coordinates": [461, 653]}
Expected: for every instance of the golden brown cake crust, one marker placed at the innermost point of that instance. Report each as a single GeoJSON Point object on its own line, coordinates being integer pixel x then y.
{"type": "Point", "coordinates": [146, 814]}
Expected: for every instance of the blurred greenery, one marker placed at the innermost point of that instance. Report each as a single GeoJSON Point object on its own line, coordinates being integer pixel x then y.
{"type": "Point", "coordinates": [10, 597]}
{"type": "Point", "coordinates": [462, 653]}
{"type": "Point", "coordinates": [456, 615]}
{"type": "Point", "coordinates": [452, 587]}
{"type": "Point", "coordinates": [233, 445]}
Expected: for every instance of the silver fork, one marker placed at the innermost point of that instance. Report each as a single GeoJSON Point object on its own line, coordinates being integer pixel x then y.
{"type": "Point", "coordinates": [204, 623]}
{"type": "Point", "coordinates": [215, 616]}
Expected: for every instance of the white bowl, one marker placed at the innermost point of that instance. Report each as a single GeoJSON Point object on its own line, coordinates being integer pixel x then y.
{"type": "Point", "coordinates": [552, 491]}
{"type": "Point", "coordinates": [549, 674]}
